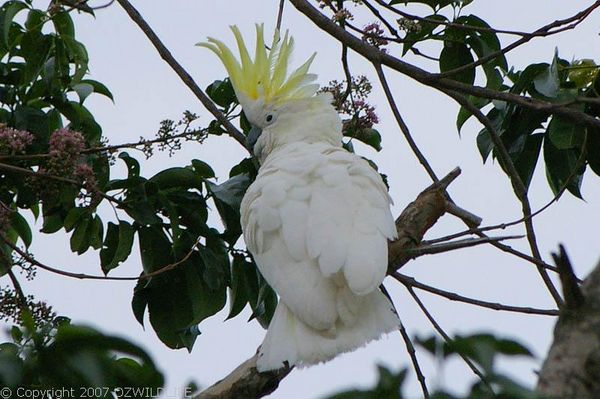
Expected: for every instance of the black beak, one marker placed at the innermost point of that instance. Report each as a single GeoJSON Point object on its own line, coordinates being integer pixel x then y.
{"type": "Point", "coordinates": [252, 137]}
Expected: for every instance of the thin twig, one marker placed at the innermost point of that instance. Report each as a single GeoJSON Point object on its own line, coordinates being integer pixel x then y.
{"type": "Point", "coordinates": [108, 148]}
{"type": "Point", "coordinates": [83, 276]}
{"type": "Point", "coordinates": [412, 282]}
{"type": "Point", "coordinates": [280, 15]}
{"type": "Point", "coordinates": [446, 337]}
{"type": "Point", "coordinates": [17, 287]}
{"type": "Point", "coordinates": [454, 245]}
{"type": "Point", "coordinates": [181, 72]}
{"type": "Point", "coordinates": [410, 348]}
{"type": "Point", "coordinates": [518, 186]}
{"type": "Point", "coordinates": [403, 127]}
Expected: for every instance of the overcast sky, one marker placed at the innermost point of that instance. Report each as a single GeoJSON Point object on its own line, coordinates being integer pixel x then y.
{"type": "Point", "coordinates": [147, 91]}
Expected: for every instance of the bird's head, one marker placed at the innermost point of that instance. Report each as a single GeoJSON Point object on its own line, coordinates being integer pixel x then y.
{"type": "Point", "coordinates": [270, 97]}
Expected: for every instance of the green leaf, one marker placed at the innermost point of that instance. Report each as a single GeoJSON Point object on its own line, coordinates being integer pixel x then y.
{"type": "Point", "coordinates": [80, 239]}
{"type": "Point", "coordinates": [140, 299]}
{"type": "Point", "coordinates": [455, 55]}
{"type": "Point", "coordinates": [593, 149]}
{"type": "Point", "coordinates": [464, 114]}
{"type": "Point", "coordinates": [177, 177]}
{"type": "Point", "coordinates": [583, 73]}
{"type": "Point", "coordinates": [238, 294]}
{"type": "Point", "coordinates": [78, 55]}
{"type": "Point", "coordinates": [179, 298]}
{"type": "Point", "coordinates": [248, 166]}
{"type": "Point", "coordinates": [188, 336]}
{"type": "Point", "coordinates": [7, 14]}
{"type": "Point", "coordinates": [83, 90]}
{"type": "Point", "coordinates": [117, 245]}
{"type": "Point", "coordinates": [222, 93]}
{"type": "Point", "coordinates": [527, 160]}
{"type": "Point", "coordinates": [434, 4]}
{"type": "Point", "coordinates": [35, 20]}
{"type": "Point", "coordinates": [562, 168]}
{"type": "Point", "coordinates": [20, 225]}
{"type": "Point", "coordinates": [99, 88]}
{"type": "Point", "coordinates": [202, 169]}
{"type": "Point", "coordinates": [32, 119]}
{"type": "Point", "coordinates": [228, 197]}
{"type": "Point", "coordinates": [524, 80]}
{"type": "Point", "coordinates": [73, 217]}
{"type": "Point", "coordinates": [52, 223]}
{"type": "Point", "coordinates": [265, 305]}
{"type": "Point", "coordinates": [216, 262]}
{"type": "Point", "coordinates": [547, 82]}
{"type": "Point", "coordinates": [368, 136]}
{"type": "Point", "coordinates": [73, 347]}
{"type": "Point", "coordinates": [133, 166]}
{"type": "Point", "coordinates": [232, 191]}
{"type": "Point", "coordinates": [64, 24]}
{"type": "Point", "coordinates": [565, 134]}
{"type": "Point", "coordinates": [35, 48]}
{"type": "Point", "coordinates": [96, 232]}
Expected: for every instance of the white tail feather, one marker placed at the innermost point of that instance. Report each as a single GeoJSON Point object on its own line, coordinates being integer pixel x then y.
{"type": "Point", "coordinates": [290, 340]}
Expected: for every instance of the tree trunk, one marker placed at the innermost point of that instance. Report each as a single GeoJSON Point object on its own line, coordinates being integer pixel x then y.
{"type": "Point", "coordinates": [572, 367]}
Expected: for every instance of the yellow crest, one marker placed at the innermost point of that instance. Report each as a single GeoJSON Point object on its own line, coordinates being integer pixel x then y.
{"type": "Point", "coordinates": [265, 76]}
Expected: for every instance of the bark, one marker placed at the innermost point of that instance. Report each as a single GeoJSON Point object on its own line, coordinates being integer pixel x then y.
{"type": "Point", "coordinates": [572, 368]}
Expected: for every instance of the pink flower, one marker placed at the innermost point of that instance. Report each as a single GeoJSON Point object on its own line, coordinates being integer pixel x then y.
{"type": "Point", "coordinates": [65, 142]}
{"type": "Point", "coordinates": [14, 140]}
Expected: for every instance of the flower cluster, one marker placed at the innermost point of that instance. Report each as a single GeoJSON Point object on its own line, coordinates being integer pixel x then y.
{"type": "Point", "coordinates": [11, 306]}
{"type": "Point", "coordinates": [409, 25]}
{"type": "Point", "coordinates": [373, 34]}
{"type": "Point", "coordinates": [342, 15]}
{"type": "Point", "coordinates": [13, 141]}
{"type": "Point", "coordinates": [171, 133]}
{"type": "Point", "coordinates": [85, 174]}
{"type": "Point", "coordinates": [65, 149]}
{"type": "Point", "coordinates": [353, 102]}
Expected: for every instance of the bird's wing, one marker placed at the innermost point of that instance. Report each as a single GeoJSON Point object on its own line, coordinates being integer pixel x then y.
{"type": "Point", "coordinates": [310, 215]}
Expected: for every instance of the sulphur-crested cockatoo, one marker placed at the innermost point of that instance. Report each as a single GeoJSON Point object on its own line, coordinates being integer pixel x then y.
{"type": "Point", "coordinates": [317, 219]}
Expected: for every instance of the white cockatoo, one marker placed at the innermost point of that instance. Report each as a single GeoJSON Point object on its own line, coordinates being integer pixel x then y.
{"type": "Point", "coordinates": [317, 218]}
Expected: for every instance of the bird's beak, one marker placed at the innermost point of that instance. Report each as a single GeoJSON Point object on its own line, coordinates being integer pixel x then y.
{"type": "Point", "coordinates": [252, 137]}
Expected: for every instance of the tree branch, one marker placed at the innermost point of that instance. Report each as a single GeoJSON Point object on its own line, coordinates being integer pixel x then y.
{"type": "Point", "coordinates": [377, 56]}
{"type": "Point", "coordinates": [412, 282]}
{"type": "Point", "coordinates": [518, 186]}
{"type": "Point", "coordinates": [410, 348]}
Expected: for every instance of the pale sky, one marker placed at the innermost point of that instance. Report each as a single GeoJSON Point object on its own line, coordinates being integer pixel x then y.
{"type": "Point", "coordinates": [147, 91]}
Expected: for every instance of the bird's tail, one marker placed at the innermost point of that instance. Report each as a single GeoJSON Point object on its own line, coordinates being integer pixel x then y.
{"type": "Point", "coordinates": [290, 340]}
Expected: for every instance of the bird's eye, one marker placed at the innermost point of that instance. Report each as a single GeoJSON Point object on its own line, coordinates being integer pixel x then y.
{"type": "Point", "coordinates": [269, 118]}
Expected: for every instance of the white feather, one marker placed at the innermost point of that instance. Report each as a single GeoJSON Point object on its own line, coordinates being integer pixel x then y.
{"type": "Point", "coordinates": [317, 221]}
